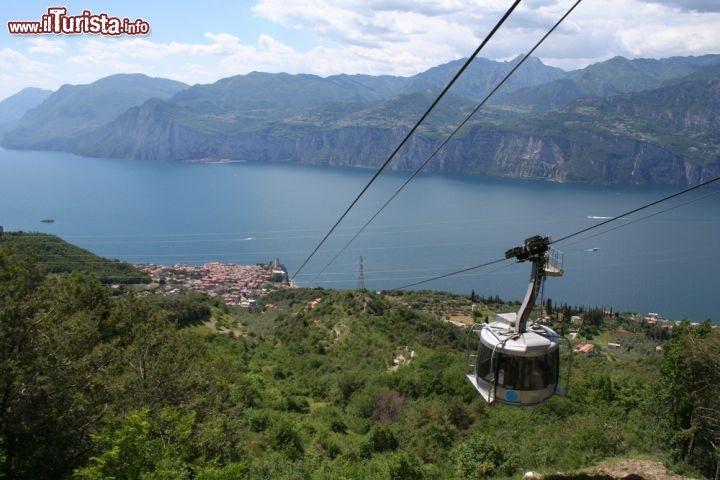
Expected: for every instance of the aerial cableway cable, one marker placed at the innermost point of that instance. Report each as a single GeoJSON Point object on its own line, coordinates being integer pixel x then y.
{"type": "Point", "coordinates": [635, 210]}
{"type": "Point", "coordinates": [457, 272]}
{"type": "Point", "coordinates": [654, 214]}
{"type": "Point", "coordinates": [412, 131]}
{"type": "Point", "coordinates": [585, 230]}
{"type": "Point", "coordinates": [450, 137]}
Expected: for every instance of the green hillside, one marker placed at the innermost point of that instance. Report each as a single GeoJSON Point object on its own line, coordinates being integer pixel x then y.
{"type": "Point", "coordinates": [322, 384]}
{"type": "Point", "coordinates": [678, 117]}
{"type": "Point", "coordinates": [55, 255]}
{"type": "Point", "coordinates": [617, 75]}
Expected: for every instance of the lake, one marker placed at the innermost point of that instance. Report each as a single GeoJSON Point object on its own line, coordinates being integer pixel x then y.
{"type": "Point", "coordinates": [662, 259]}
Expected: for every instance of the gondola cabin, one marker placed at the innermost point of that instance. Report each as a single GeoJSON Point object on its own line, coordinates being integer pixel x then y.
{"type": "Point", "coordinates": [516, 363]}
{"type": "Point", "coordinates": [511, 368]}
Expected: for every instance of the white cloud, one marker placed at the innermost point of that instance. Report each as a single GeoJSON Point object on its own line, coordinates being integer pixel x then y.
{"type": "Point", "coordinates": [102, 56]}
{"type": "Point", "coordinates": [269, 44]}
{"type": "Point", "coordinates": [384, 37]}
{"type": "Point", "coordinates": [424, 33]}
{"type": "Point", "coordinates": [45, 46]}
{"type": "Point", "coordinates": [654, 42]}
{"type": "Point", "coordinates": [404, 37]}
{"type": "Point", "coordinates": [638, 29]}
{"type": "Point", "coordinates": [141, 48]}
{"type": "Point", "coordinates": [369, 24]}
{"type": "Point", "coordinates": [20, 71]}
{"type": "Point", "coordinates": [222, 44]}
{"type": "Point", "coordinates": [13, 60]}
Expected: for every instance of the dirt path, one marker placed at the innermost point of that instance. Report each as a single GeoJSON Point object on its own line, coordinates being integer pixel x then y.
{"type": "Point", "coordinates": [647, 469]}
{"type": "Point", "coordinates": [630, 469]}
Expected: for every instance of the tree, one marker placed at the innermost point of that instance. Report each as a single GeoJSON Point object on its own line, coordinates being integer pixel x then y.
{"type": "Point", "coordinates": [49, 400]}
{"type": "Point", "coordinates": [142, 446]}
{"type": "Point", "coordinates": [286, 439]}
{"type": "Point", "coordinates": [379, 439]}
{"type": "Point", "coordinates": [387, 408]}
{"type": "Point", "coordinates": [478, 458]}
{"type": "Point", "coordinates": [404, 467]}
{"type": "Point", "coordinates": [690, 382]}
{"type": "Point", "coordinates": [548, 306]}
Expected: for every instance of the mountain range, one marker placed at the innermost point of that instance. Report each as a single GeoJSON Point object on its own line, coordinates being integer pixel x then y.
{"type": "Point", "coordinates": [621, 121]}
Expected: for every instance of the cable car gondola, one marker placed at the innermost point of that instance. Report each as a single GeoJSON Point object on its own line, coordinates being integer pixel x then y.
{"type": "Point", "coordinates": [514, 363]}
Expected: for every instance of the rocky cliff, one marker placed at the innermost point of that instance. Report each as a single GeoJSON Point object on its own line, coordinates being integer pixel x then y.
{"type": "Point", "coordinates": [569, 156]}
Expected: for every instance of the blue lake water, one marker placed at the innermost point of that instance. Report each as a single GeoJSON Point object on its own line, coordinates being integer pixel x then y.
{"type": "Point", "coordinates": [654, 261]}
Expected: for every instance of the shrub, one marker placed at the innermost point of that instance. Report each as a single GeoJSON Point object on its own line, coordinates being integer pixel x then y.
{"type": "Point", "coordinates": [478, 458]}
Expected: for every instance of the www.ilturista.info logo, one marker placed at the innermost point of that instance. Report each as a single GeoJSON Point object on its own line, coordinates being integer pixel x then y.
{"type": "Point", "coordinates": [57, 21]}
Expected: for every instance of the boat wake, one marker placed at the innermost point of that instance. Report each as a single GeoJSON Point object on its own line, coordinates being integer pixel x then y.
{"type": "Point", "coordinates": [596, 217]}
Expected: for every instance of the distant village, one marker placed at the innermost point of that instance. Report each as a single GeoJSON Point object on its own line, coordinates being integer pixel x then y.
{"type": "Point", "coordinates": [235, 285]}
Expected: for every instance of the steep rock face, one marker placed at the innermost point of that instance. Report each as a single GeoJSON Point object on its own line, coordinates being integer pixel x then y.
{"type": "Point", "coordinates": [589, 158]}
{"type": "Point", "coordinates": [157, 136]}
{"type": "Point", "coordinates": [571, 159]}
{"type": "Point", "coordinates": [145, 133]}
{"type": "Point", "coordinates": [528, 157]}
{"type": "Point", "coordinates": [624, 161]}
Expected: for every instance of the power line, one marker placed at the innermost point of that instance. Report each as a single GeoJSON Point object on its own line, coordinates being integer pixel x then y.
{"type": "Point", "coordinates": [654, 214]}
{"type": "Point", "coordinates": [584, 230]}
{"type": "Point", "coordinates": [411, 132]}
{"type": "Point", "coordinates": [451, 136]}
{"type": "Point", "coordinates": [635, 210]}
{"type": "Point", "coordinates": [457, 272]}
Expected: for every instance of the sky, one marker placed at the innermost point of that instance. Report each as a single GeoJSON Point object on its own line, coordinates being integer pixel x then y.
{"type": "Point", "coordinates": [202, 42]}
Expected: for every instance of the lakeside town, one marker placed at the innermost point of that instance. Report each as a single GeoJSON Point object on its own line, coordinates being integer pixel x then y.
{"type": "Point", "coordinates": [235, 285]}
